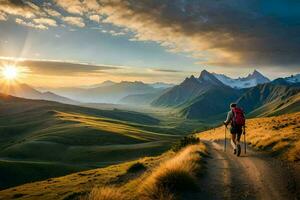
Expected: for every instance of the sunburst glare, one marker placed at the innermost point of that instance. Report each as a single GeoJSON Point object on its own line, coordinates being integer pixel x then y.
{"type": "Point", "coordinates": [10, 72]}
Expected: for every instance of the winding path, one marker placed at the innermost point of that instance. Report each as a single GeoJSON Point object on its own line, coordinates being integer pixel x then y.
{"type": "Point", "coordinates": [251, 176]}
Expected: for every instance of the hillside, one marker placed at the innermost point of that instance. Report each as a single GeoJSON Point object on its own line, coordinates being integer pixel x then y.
{"type": "Point", "coordinates": [278, 135]}
{"type": "Point", "coordinates": [208, 97]}
{"type": "Point", "coordinates": [47, 139]}
{"type": "Point", "coordinates": [142, 99]}
{"type": "Point", "coordinates": [270, 99]}
{"type": "Point", "coordinates": [210, 106]}
{"type": "Point", "coordinates": [28, 92]}
{"type": "Point", "coordinates": [204, 98]}
{"type": "Point", "coordinates": [134, 180]}
{"type": "Point", "coordinates": [188, 90]}
{"type": "Point", "coordinates": [190, 173]}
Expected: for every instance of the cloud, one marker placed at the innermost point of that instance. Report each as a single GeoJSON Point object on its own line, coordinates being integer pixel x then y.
{"type": "Point", "coordinates": [75, 21]}
{"type": "Point", "coordinates": [217, 33]}
{"type": "Point", "coordinates": [71, 6]}
{"type": "Point", "coordinates": [19, 8]}
{"type": "Point", "coordinates": [166, 70]}
{"type": "Point", "coordinates": [58, 73]}
{"type": "Point", "coordinates": [227, 33]}
{"type": "Point", "coordinates": [30, 24]}
{"type": "Point", "coordinates": [52, 12]}
{"type": "Point", "coordinates": [58, 68]}
{"type": "Point", "coordinates": [111, 32]}
{"type": "Point", "coordinates": [45, 21]}
{"type": "Point", "coordinates": [79, 7]}
{"type": "Point", "coordinates": [95, 18]}
{"type": "Point", "coordinates": [3, 16]}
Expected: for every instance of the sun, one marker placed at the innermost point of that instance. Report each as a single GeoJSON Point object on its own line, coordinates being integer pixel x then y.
{"type": "Point", "coordinates": [10, 72]}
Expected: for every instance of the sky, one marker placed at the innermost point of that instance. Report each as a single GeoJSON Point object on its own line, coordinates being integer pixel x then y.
{"type": "Point", "coordinates": [82, 42]}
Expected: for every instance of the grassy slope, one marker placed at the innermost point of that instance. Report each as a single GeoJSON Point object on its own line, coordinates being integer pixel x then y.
{"type": "Point", "coordinates": [138, 184]}
{"type": "Point", "coordinates": [202, 107]}
{"type": "Point", "coordinates": [41, 139]}
{"type": "Point", "coordinates": [270, 99]}
{"type": "Point", "coordinates": [82, 182]}
{"type": "Point", "coordinates": [278, 107]}
{"type": "Point", "coordinates": [279, 135]}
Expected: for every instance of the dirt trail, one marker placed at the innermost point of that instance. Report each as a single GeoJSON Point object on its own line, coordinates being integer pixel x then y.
{"type": "Point", "coordinates": [251, 176]}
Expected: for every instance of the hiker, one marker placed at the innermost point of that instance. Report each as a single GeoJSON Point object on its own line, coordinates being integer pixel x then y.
{"type": "Point", "coordinates": [236, 118]}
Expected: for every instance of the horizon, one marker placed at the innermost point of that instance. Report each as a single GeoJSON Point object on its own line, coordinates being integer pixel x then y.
{"type": "Point", "coordinates": [119, 41]}
{"type": "Point", "coordinates": [181, 75]}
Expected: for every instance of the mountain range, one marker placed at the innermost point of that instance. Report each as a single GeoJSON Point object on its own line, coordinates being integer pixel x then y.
{"type": "Point", "coordinates": [250, 81]}
{"type": "Point", "coordinates": [208, 96]}
{"type": "Point", "coordinates": [203, 98]}
{"type": "Point", "coordinates": [111, 92]}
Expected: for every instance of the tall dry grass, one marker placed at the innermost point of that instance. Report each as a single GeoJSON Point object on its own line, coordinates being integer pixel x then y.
{"type": "Point", "coordinates": [174, 176]}
{"type": "Point", "coordinates": [105, 193]}
{"type": "Point", "coordinates": [165, 182]}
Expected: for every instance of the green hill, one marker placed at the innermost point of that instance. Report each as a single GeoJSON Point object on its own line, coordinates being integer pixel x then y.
{"type": "Point", "coordinates": [42, 139]}
{"type": "Point", "coordinates": [210, 106]}
{"type": "Point", "coordinates": [270, 99]}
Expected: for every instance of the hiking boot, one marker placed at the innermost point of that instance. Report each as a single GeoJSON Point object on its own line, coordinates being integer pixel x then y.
{"type": "Point", "coordinates": [234, 151]}
{"type": "Point", "coordinates": [239, 150]}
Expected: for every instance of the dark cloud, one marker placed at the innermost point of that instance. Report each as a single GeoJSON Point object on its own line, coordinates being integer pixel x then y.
{"type": "Point", "coordinates": [59, 68]}
{"type": "Point", "coordinates": [228, 32]}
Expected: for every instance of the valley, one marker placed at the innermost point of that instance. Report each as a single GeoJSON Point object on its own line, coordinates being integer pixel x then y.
{"type": "Point", "coordinates": [42, 139]}
{"type": "Point", "coordinates": [217, 174]}
{"type": "Point", "coordinates": [147, 100]}
{"type": "Point", "coordinates": [47, 139]}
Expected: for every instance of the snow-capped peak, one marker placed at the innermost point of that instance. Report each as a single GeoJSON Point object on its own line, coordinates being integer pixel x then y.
{"type": "Point", "coordinates": [251, 80]}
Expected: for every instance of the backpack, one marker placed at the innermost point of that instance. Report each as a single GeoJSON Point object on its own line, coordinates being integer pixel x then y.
{"type": "Point", "coordinates": [238, 117]}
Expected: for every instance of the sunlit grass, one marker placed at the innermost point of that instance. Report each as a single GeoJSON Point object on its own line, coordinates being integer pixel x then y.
{"type": "Point", "coordinates": [279, 135]}
{"type": "Point", "coordinates": [162, 176]}
{"type": "Point", "coordinates": [174, 176]}
{"type": "Point", "coordinates": [110, 125]}
{"type": "Point", "coordinates": [105, 193]}
{"type": "Point", "coordinates": [81, 183]}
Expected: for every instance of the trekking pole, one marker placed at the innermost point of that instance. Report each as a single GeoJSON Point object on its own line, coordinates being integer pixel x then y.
{"type": "Point", "coordinates": [245, 143]}
{"type": "Point", "coordinates": [225, 140]}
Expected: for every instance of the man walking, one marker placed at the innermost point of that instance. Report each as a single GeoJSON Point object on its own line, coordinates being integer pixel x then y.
{"type": "Point", "coordinates": [237, 120]}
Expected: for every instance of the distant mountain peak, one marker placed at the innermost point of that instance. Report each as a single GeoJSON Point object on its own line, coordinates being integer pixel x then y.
{"type": "Point", "coordinates": [107, 82]}
{"type": "Point", "coordinates": [205, 76]}
{"type": "Point", "coordinates": [256, 74]}
{"type": "Point", "coordinates": [161, 85]}
{"type": "Point", "coordinates": [258, 77]}
{"type": "Point", "coordinates": [132, 83]}
{"type": "Point", "coordinates": [103, 84]}
{"type": "Point", "coordinates": [189, 79]}
{"type": "Point", "coordinates": [204, 73]}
